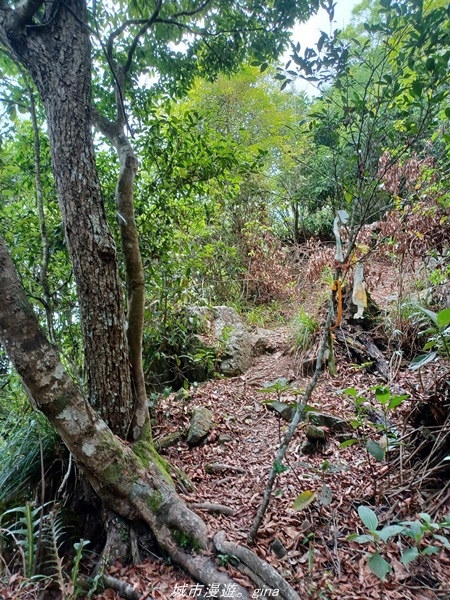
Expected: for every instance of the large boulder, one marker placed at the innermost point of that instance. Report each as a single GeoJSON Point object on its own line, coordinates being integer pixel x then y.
{"type": "Point", "coordinates": [234, 341]}
{"type": "Point", "coordinates": [223, 340]}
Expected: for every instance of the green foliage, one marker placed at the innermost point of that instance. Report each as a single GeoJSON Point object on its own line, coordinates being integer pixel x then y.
{"type": "Point", "coordinates": [24, 531]}
{"type": "Point", "coordinates": [279, 387]}
{"type": "Point", "coordinates": [303, 327]}
{"type": "Point", "coordinates": [435, 327]}
{"type": "Point", "coordinates": [38, 535]}
{"type": "Point", "coordinates": [424, 532]}
{"type": "Point", "coordinates": [22, 434]}
{"type": "Point", "coordinates": [379, 450]}
{"type": "Point", "coordinates": [383, 88]}
{"type": "Point", "coordinates": [263, 315]}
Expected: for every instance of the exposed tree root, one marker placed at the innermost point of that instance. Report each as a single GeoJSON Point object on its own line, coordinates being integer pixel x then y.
{"type": "Point", "coordinates": [132, 481]}
{"type": "Point", "coordinates": [125, 590]}
{"type": "Point", "coordinates": [117, 544]}
{"type": "Point", "coordinates": [262, 574]}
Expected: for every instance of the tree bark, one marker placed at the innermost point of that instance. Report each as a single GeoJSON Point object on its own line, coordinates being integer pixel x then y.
{"type": "Point", "coordinates": [129, 480]}
{"type": "Point", "coordinates": [57, 56]}
{"type": "Point", "coordinates": [134, 269]}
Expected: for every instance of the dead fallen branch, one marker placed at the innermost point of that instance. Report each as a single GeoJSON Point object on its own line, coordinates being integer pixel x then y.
{"type": "Point", "coordinates": [213, 508]}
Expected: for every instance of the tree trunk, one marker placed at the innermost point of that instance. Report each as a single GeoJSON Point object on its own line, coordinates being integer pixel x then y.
{"type": "Point", "coordinates": [131, 481]}
{"type": "Point", "coordinates": [58, 58]}
{"type": "Point", "coordinates": [134, 269]}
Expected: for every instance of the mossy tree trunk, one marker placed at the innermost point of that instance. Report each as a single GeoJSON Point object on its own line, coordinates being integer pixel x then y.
{"type": "Point", "coordinates": [130, 480]}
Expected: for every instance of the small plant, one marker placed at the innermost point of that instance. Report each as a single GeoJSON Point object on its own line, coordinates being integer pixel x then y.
{"type": "Point", "coordinates": [74, 574]}
{"type": "Point", "coordinates": [324, 496]}
{"type": "Point", "coordinates": [303, 326]}
{"type": "Point", "coordinates": [437, 330]}
{"type": "Point", "coordinates": [206, 358]}
{"type": "Point", "coordinates": [377, 564]}
{"type": "Point", "coordinates": [37, 537]}
{"type": "Point", "coordinates": [278, 387]}
{"type": "Point", "coordinates": [421, 531]}
{"type": "Point", "coordinates": [388, 402]}
{"type": "Point", "coordinates": [227, 559]}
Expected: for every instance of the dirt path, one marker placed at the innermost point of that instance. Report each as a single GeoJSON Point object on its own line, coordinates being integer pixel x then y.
{"type": "Point", "coordinates": [319, 562]}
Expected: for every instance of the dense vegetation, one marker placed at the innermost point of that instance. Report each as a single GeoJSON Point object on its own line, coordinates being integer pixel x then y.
{"type": "Point", "coordinates": [248, 192]}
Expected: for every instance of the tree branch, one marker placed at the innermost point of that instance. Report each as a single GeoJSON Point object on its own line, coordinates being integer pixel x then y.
{"type": "Point", "coordinates": [142, 31]}
{"type": "Point", "coordinates": [134, 269]}
{"type": "Point", "coordinates": [25, 12]}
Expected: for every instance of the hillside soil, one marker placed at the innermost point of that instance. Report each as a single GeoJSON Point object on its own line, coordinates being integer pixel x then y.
{"type": "Point", "coordinates": [309, 547]}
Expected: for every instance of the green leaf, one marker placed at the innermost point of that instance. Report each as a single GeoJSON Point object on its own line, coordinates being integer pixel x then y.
{"type": "Point", "coordinates": [379, 566]}
{"type": "Point", "coordinates": [431, 550]}
{"type": "Point", "coordinates": [279, 467]}
{"type": "Point", "coordinates": [348, 443]}
{"type": "Point", "coordinates": [368, 517]}
{"type": "Point", "coordinates": [447, 112]}
{"type": "Point", "coordinates": [420, 361]}
{"type": "Point", "coordinates": [425, 517]}
{"type": "Point", "coordinates": [396, 401]}
{"type": "Point", "coordinates": [443, 318]}
{"type": "Point", "coordinates": [375, 450]}
{"type": "Point", "coordinates": [409, 555]}
{"type": "Point", "coordinates": [382, 394]}
{"type": "Point", "coordinates": [390, 531]}
{"type": "Point", "coordinates": [429, 313]}
{"type": "Point", "coordinates": [263, 67]}
{"type": "Point", "coordinates": [351, 391]}
{"type": "Point", "coordinates": [430, 64]}
{"type": "Point", "coordinates": [417, 87]}
{"type": "Point", "coordinates": [361, 539]}
{"type": "Point", "coordinates": [303, 500]}
{"type": "Point", "coordinates": [444, 541]}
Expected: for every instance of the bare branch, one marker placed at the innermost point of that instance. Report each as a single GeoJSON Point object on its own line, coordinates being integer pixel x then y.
{"type": "Point", "coordinates": [143, 30]}
{"type": "Point", "coordinates": [190, 13]}
{"type": "Point", "coordinates": [121, 29]}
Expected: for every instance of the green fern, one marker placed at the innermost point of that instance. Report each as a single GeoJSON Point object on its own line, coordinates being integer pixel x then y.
{"type": "Point", "coordinates": [20, 464]}
{"type": "Point", "coordinates": [24, 532]}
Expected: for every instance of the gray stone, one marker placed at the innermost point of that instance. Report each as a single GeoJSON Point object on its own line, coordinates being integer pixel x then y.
{"type": "Point", "coordinates": [336, 424]}
{"type": "Point", "coordinates": [286, 411]}
{"type": "Point", "coordinates": [219, 342]}
{"type": "Point", "coordinates": [262, 342]}
{"type": "Point", "coordinates": [233, 340]}
{"type": "Point", "coordinates": [200, 426]}
{"type": "Point", "coordinates": [309, 447]}
{"type": "Point", "coordinates": [315, 434]}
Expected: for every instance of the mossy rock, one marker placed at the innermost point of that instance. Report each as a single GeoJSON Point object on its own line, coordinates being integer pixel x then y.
{"type": "Point", "coordinates": [201, 423]}
{"type": "Point", "coordinates": [320, 419]}
{"type": "Point", "coordinates": [315, 434]}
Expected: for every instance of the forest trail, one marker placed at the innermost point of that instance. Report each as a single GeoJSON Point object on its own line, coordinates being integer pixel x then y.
{"type": "Point", "coordinates": [231, 469]}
